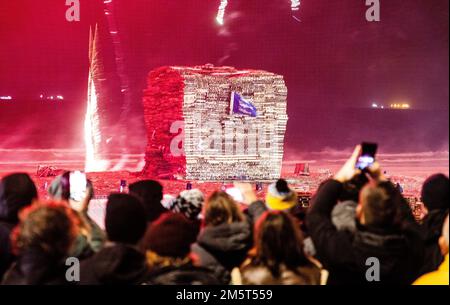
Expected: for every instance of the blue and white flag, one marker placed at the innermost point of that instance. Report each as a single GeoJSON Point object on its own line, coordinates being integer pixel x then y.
{"type": "Point", "coordinates": [239, 105]}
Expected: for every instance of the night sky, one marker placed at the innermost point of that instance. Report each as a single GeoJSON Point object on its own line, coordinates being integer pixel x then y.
{"type": "Point", "coordinates": [330, 57]}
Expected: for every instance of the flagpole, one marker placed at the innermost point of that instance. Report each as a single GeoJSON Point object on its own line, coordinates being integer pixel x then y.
{"type": "Point", "coordinates": [232, 103]}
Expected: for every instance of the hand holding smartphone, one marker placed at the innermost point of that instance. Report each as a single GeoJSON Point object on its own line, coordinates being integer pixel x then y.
{"type": "Point", "coordinates": [367, 157]}
{"type": "Point", "coordinates": [78, 186]}
{"type": "Point", "coordinates": [78, 195]}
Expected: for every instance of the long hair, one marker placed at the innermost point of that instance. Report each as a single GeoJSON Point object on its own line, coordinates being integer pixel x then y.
{"type": "Point", "coordinates": [279, 242]}
{"type": "Point", "coordinates": [50, 227]}
{"type": "Point", "coordinates": [221, 208]}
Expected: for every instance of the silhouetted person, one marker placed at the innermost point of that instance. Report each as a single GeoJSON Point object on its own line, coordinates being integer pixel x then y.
{"type": "Point", "coordinates": [435, 197]}
{"type": "Point", "coordinates": [16, 192]}
{"type": "Point", "coordinates": [121, 261]}
{"type": "Point", "coordinates": [43, 240]}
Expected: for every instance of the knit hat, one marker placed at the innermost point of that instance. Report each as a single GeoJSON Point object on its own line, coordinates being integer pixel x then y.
{"type": "Point", "coordinates": [125, 220]}
{"type": "Point", "coordinates": [16, 192]}
{"type": "Point", "coordinates": [435, 192]}
{"type": "Point", "coordinates": [280, 196]}
{"type": "Point", "coordinates": [189, 203]}
{"type": "Point", "coordinates": [171, 236]}
{"type": "Point", "coordinates": [151, 194]}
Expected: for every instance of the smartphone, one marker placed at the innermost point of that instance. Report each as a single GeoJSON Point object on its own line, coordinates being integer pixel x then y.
{"type": "Point", "coordinates": [78, 186]}
{"type": "Point", "coordinates": [367, 157]}
{"type": "Point", "coordinates": [236, 194]}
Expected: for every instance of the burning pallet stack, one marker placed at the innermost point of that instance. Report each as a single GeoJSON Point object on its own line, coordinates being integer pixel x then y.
{"type": "Point", "coordinates": [188, 108]}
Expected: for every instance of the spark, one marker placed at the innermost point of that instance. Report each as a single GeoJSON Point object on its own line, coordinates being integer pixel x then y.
{"type": "Point", "coordinates": [295, 5]}
{"type": "Point", "coordinates": [296, 19]}
{"type": "Point", "coordinates": [221, 12]}
{"type": "Point", "coordinates": [91, 126]}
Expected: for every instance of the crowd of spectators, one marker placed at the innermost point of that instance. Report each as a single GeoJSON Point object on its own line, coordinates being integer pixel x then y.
{"type": "Point", "coordinates": [358, 230]}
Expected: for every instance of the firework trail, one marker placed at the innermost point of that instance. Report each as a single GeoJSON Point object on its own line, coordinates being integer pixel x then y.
{"type": "Point", "coordinates": [221, 12]}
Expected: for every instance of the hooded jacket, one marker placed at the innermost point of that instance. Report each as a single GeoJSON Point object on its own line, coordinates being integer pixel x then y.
{"type": "Point", "coordinates": [16, 192]}
{"type": "Point", "coordinates": [261, 275]}
{"type": "Point", "coordinates": [345, 253]}
{"type": "Point", "coordinates": [116, 264]}
{"type": "Point", "coordinates": [222, 248]}
{"type": "Point", "coordinates": [187, 274]}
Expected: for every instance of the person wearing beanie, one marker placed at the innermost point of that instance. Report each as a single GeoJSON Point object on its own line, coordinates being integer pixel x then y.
{"type": "Point", "coordinates": [170, 236]}
{"type": "Point", "coordinates": [190, 204]}
{"type": "Point", "coordinates": [280, 197]}
{"type": "Point", "coordinates": [91, 237]}
{"type": "Point", "coordinates": [168, 253]}
{"type": "Point", "coordinates": [120, 261]}
{"type": "Point", "coordinates": [151, 193]}
{"type": "Point", "coordinates": [17, 191]}
{"type": "Point", "coordinates": [435, 197]}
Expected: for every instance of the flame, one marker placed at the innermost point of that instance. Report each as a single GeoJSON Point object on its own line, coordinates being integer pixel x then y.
{"type": "Point", "coordinates": [92, 133]}
{"type": "Point", "coordinates": [295, 5]}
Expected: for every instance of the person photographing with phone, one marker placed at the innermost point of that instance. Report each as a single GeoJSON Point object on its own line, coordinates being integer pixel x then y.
{"type": "Point", "coordinates": [75, 189]}
{"type": "Point", "coordinates": [385, 229]}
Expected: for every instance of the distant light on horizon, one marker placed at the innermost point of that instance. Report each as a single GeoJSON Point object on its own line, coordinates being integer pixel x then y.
{"type": "Point", "coordinates": [51, 97]}
{"type": "Point", "coordinates": [400, 106]}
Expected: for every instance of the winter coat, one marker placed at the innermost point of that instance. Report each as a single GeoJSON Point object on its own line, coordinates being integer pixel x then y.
{"type": "Point", "coordinates": [87, 245]}
{"type": "Point", "coordinates": [343, 217]}
{"type": "Point", "coordinates": [438, 277]}
{"type": "Point", "coordinates": [36, 268]}
{"type": "Point", "coordinates": [187, 274]}
{"type": "Point", "coordinates": [222, 248]}
{"type": "Point", "coordinates": [16, 192]}
{"type": "Point", "coordinates": [261, 275]}
{"type": "Point", "coordinates": [432, 231]}
{"type": "Point", "coordinates": [345, 254]}
{"type": "Point", "coordinates": [6, 255]}
{"type": "Point", "coordinates": [116, 264]}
